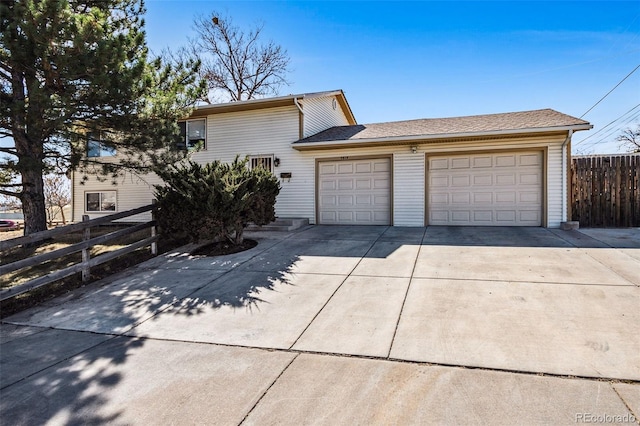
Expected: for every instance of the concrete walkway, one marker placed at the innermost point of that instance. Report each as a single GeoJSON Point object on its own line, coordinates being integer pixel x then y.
{"type": "Point", "coordinates": [344, 325]}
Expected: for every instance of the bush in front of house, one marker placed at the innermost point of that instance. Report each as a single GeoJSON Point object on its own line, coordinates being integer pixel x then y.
{"type": "Point", "coordinates": [216, 200]}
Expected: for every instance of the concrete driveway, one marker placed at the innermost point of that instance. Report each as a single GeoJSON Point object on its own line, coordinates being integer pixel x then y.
{"type": "Point", "coordinates": [342, 325]}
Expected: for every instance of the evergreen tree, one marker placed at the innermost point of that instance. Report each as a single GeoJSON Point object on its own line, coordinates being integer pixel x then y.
{"type": "Point", "coordinates": [72, 69]}
{"type": "Point", "coordinates": [215, 200]}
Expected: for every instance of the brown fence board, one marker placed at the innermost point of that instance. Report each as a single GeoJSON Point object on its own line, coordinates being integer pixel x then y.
{"type": "Point", "coordinates": [605, 190]}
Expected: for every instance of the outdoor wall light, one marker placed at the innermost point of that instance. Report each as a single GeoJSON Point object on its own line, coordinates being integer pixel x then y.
{"type": "Point", "coordinates": [414, 149]}
{"type": "Point", "coordinates": [276, 162]}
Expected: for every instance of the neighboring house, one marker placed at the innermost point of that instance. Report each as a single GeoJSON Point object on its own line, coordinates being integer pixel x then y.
{"type": "Point", "coordinates": [494, 170]}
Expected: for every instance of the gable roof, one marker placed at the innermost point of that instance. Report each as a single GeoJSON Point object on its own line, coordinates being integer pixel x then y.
{"type": "Point", "coordinates": [511, 123]}
{"type": "Point", "coordinates": [253, 104]}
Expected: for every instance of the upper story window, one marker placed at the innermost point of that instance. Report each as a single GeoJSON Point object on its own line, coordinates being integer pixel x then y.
{"type": "Point", "coordinates": [264, 161]}
{"type": "Point", "coordinates": [97, 148]}
{"type": "Point", "coordinates": [194, 134]}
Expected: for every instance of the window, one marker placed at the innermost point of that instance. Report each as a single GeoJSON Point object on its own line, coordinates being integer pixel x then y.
{"type": "Point", "coordinates": [194, 133]}
{"type": "Point", "coordinates": [97, 148]}
{"type": "Point", "coordinates": [264, 161]}
{"type": "Point", "coordinates": [104, 201]}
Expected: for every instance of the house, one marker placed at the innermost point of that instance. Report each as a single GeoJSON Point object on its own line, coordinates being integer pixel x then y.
{"type": "Point", "coordinates": [505, 169]}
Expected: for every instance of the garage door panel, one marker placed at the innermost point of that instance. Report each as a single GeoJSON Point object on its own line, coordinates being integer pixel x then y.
{"type": "Point", "coordinates": [482, 162]}
{"type": "Point", "coordinates": [460, 180]}
{"type": "Point", "coordinates": [327, 169]}
{"type": "Point", "coordinates": [379, 183]}
{"type": "Point", "coordinates": [483, 197]}
{"type": "Point", "coordinates": [530, 160]}
{"type": "Point", "coordinates": [506, 179]}
{"type": "Point", "coordinates": [503, 216]}
{"type": "Point", "coordinates": [530, 179]}
{"type": "Point", "coordinates": [461, 198]}
{"type": "Point", "coordinates": [461, 215]}
{"type": "Point", "coordinates": [532, 197]}
{"type": "Point", "coordinates": [345, 184]}
{"type": "Point", "coordinates": [382, 166]}
{"type": "Point", "coordinates": [482, 180]}
{"type": "Point", "coordinates": [355, 192]}
{"type": "Point", "coordinates": [345, 168]}
{"type": "Point", "coordinates": [439, 182]}
{"type": "Point", "coordinates": [506, 197]}
{"type": "Point", "coordinates": [482, 216]}
{"type": "Point", "coordinates": [532, 216]}
{"type": "Point", "coordinates": [495, 189]}
{"type": "Point", "coordinates": [439, 164]}
{"type": "Point", "coordinates": [363, 167]}
{"type": "Point", "coordinates": [461, 163]}
{"type": "Point", "coordinates": [505, 160]}
{"type": "Point", "coordinates": [345, 201]}
{"type": "Point", "coordinates": [328, 200]}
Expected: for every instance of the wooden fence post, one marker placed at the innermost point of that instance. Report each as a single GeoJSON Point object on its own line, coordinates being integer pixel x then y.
{"type": "Point", "coordinates": [86, 253]}
{"type": "Point", "coordinates": [154, 245]}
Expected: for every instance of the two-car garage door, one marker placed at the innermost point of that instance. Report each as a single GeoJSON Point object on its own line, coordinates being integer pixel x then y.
{"type": "Point", "coordinates": [500, 189]}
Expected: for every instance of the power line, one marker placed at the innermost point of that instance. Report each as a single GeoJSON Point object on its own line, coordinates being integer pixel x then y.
{"type": "Point", "coordinates": [609, 92]}
{"type": "Point", "coordinates": [607, 137]}
{"type": "Point", "coordinates": [605, 127]}
{"type": "Point", "coordinates": [626, 118]}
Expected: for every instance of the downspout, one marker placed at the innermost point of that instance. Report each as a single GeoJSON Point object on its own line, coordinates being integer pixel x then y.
{"type": "Point", "coordinates": [565, 161]}
{"type": "Point", "coordinates": [301, 121]}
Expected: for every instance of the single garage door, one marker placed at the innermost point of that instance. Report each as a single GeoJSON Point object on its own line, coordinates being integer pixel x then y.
{"type": "Point", "coordinates": [354, 192]}
{"type": "Point", "coordinates": [502, 189]}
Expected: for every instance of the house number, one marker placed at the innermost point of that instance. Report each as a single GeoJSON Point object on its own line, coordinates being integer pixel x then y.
{"type": "Point", "coordinates": [344, 158]}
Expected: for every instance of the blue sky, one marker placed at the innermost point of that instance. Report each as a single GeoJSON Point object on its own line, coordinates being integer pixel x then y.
{"type": "Point", "coordinates": [406, 60]}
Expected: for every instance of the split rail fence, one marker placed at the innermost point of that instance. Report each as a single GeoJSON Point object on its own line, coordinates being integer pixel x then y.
{"type": "Point", "coordinates": [605, 190]}
{"type": "Point", "coordinates": [85, 265]}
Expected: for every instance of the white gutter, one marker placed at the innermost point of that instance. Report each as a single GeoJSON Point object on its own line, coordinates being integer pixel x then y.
{"type": "Point", "coordinates": [426, 138]}
{"type": "Point", "coordinates": [565, 160]}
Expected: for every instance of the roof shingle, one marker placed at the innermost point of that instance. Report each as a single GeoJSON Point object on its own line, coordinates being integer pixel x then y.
{"type": "Point", "coordinates": [516, 121]}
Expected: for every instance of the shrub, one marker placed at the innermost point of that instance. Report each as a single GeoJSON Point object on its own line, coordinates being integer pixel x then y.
{"type": "Point", "coordinates": [216, 200]}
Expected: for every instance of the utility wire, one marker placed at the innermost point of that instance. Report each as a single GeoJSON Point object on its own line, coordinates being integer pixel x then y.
{"type": "Point", "coordinates": [607, 137]}
{"type": "Point", "coordinates": [609, 92]}
{"type": "Point", "coordinates": [605, 127]}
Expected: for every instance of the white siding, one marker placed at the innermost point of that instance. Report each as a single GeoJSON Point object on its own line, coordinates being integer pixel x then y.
{"type": "Point", "coordinates": [554, 185]}
{"type": "Point", "coordinates": [131, 192]}
{"type": "Point", "coordinates": [320, 115]}
{"type": "Point", "coordinates": [271, 132]}
{"type": "Point", "coordinates": [408, 189]}
{"type": "Point", "coordinates": [265, 132]}
{"type": "Point", "coordinates": [553, 172]}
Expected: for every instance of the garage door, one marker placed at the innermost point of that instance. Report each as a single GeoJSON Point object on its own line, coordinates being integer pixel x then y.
{"type": "Point", "coordinates": [354, 192]}
{"type": "Point", "coordinates": [486, 189]}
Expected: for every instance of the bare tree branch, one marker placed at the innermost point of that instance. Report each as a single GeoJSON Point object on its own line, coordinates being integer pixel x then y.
{"type": "Point", "coordinates": [235, 63]}
{"type": "Point", "coordinates": [630, 138]}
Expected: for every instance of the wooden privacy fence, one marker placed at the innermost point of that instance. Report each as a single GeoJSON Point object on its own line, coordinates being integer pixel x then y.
{"type": "Point", "coordinates": [83, 267]}
{"type": "Point", "coordinates": [605, 190]}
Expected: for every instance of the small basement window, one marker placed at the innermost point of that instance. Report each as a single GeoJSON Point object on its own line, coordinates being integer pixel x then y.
{"type": "Point", "coordinates": [104, 201]}
{"type": "Point", "coordinates": [97, 148]}
{"type": "Point", "coordinates": [194, 134]}
{"type": "Point", "coordinates": [264, 161]}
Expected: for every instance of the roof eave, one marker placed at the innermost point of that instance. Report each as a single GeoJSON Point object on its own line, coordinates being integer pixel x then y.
{"type": "Point", "coordinates": [433, 138]}
{"type": "Point", "coordinates": [253, 104]}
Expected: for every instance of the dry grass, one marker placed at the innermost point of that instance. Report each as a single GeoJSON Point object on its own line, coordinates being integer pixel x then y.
{"type": "Point", "coordinates": [40, 295]}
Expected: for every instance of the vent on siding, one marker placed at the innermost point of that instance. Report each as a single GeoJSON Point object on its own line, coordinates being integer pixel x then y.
{"type": "Point", "coordinates": [264, 161]}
